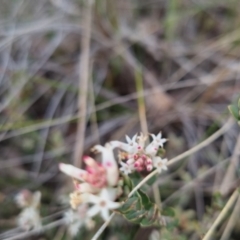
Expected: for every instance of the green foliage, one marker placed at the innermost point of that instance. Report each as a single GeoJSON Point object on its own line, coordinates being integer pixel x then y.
{"type": "Point", "coordinates": [140, 209]}
{"type": "Point", "coordinates": [235, 110]}
{"type": "Point", "coordinates": [168, 212]}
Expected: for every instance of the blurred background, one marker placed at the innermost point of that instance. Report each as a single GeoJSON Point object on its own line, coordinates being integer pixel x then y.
{"type": "Point", "coordinates": [74, 74]}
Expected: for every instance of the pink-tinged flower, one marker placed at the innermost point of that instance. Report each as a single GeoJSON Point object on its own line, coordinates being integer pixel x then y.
{"type": "Point", "coordinates": [109, 163]}
{"type": "Point", "coordinates": [24, 198]}
{"type": "Point", "coordinates": [72, 171]}
{"type": "Point", "coordinates": [103, 203]}
{"type": "Point", "coordinates": [138, 156]}
{"type": "Point", "coordinates": [93, 178]}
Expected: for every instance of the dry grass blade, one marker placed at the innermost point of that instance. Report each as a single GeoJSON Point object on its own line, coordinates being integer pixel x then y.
{"type": "Point", "coordinates": [34, 232]}
{"type": "Point", "coordinates": [222, 215]}
{"type": "Point", "coordinates": [83, 84]}
{"type": "Point", "coordinates": [230, 175]}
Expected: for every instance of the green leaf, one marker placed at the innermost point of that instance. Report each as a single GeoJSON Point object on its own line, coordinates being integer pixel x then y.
{"type": "Point", "coordinates": [239, 103]}
{"type": "Point", "coordinates": [234, 111]}
{"type": "Point", "coordinates": [128, 182]}
{"type": "Point", "coordinates": [144, 199]}
{"type": "Point", "coordinates": [135, 216]}
{"type": "Point", "coordinates": [139, 209]}
{"type": "Point", "coordinates": [168, 211]}
{"type": "Point", "coordinates": [146, 222]}
{"type": "Point", "coordinates": [153, 214]}
{"type": "Point", "coordinates": [172, 224]}
{"type": "Point", "coordinates": [128, 205]}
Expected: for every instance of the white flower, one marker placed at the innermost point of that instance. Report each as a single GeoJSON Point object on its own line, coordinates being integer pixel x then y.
{"type": "Point", "coordinates": [126, 168]}
{"type": "Point", "coordinates": [157, 142]}
{"type": "Point", "coordinates": [159, 139]}
{"type": "Point", "coordinates": [160, 164]}
{"type": "Point", "coordinates": [29, 219]}
{"type": "Point", "coordinates": [130, 147]}
{"type": "Point", "coordinates": [85, 188]}
{"type": "Point", "coordinates": [76, 219]}
{"type": "Point", "coordinates": [25, 198]}
{"type": "Point", "coordinates": [103, 203]}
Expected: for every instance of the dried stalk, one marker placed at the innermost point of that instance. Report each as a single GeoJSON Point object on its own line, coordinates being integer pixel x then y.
{"type": "Point", "coordinates": [83, 84]}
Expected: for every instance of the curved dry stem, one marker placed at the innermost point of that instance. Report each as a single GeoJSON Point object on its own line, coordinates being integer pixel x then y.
{"type": "Point", "coordinates": [221, 216]}
{"type": "Point", "coordinates": [232, 221]}
{"type": "Point", "coordinates": [25, 235]}
{"type": "Point", "coordinates": [101, 229]}
{"type": "Point", "coordinates": [83, 84]}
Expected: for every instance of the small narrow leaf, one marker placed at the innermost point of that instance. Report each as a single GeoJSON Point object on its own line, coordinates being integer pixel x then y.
{"type": "Point", "coordinates": [128, 182]}
{"type": "Point", "coordinates": [135, 216]}
{"type": "Point", "coordinates": [234, 111]}
{"type": "Point", "coordinates": [146, 222]}
{"type": "Point", "coordinates": [144, 199]}
{"type": "Point", "coordinates": [128, 205]}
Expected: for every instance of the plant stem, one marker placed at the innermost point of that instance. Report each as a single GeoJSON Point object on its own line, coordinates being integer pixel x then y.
{"type": "Point", "coordinates": [141, 103]}
{"type": "Point", "coordinates": [25, 235]}
{"type": "Point", "coordinates": [221, 216]}
{"type": "Point", "coordinates": [232, 221]}
{"type": "Point", "coordinates": [83, 84]}
{"type": "Point", "coordinates": [101, 229]}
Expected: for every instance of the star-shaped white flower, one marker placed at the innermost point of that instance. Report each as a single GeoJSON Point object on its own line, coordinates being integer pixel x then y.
{"type": "Point", "coordinates": [160, 164]}
{"type": "Point", "coordinates": [130, 147]}
{"type": "Point", "coordinates": [160, 141]}
{"type": "Point", "coordinates": [126, 168]}
{"type": "Point", "coordinates": [103, 203]}
{"type": "Point", "coordinates": [157, 142]}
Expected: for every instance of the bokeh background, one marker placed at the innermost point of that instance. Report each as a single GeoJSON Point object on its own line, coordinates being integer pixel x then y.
{"type": "Point", "coordinates": [74, 75]}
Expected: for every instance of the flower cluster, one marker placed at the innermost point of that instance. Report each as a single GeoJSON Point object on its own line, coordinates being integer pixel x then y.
{"type": "Point", "coordinates": [29, 217]}
{"type": "Point", "coordinates": [139, 156]}
{"type": "Point", "coordinates": [98, 186]}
